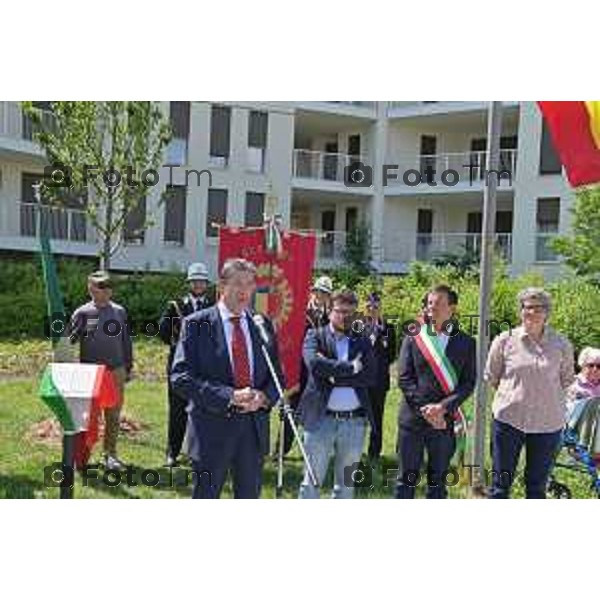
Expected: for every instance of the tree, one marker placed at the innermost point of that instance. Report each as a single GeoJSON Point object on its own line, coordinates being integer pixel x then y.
{"type": "Point", "coordinates": [106, 155]}
{"type": "Point", "coordinates": [581, 248]}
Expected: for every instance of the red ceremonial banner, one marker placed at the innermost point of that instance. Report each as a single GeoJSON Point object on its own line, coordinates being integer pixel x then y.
{"type": "Point", "coordinates": [283, 285]}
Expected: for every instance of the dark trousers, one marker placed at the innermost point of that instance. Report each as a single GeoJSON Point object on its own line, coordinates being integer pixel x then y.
{"type": "Point", "coordinates": [507, 443]}
{"type": "Point", "coordinates": [440, 446]}
{"type": "Point", "coordinates": [234, 447]}
{"type": "Point", "coordinates": [177, 423]}
{"type": "Point", "coordinates": [377, 397]}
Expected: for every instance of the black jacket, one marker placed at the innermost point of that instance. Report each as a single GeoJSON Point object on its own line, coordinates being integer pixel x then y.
{"type": "Point", "coordinates": [420, 386]}
{"type": "Point", "coordinates": [170, 322]}
{"type": "Point", "coordinates": [383, 340]}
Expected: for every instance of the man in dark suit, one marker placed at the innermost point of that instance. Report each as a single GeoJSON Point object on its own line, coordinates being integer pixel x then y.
{"type": "Point", "coordinates": [220, 368]}
{"type": "Point", "coordinates": [169, 328]}
{"type": "Point", "coordinates": [436, 373]}
{"type": "Point", "coordinates": [382, 336]}
{"type": "Point", "coordinates": [335, 405]}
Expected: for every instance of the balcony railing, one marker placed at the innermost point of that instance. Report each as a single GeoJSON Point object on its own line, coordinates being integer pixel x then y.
{"type": "Point", "coordinates": [327, 166]}
{"type": "Point", "coordinates": [14, 123]}
{"type": "Point", "coordinates": [429, 246]}
{"type": "Point", "coordinates": [450, 169]}
{"type": "Point", "coordinates": [330, 245]}
{"type": "Point", "coordinates": [58, 223]}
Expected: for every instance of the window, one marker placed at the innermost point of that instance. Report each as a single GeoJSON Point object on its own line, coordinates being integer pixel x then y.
{"type": "Point", "coordinates": [217, 211]}
{"type": "Point", "coordinates": [549, 161]}
{"type": "Point", "coordinates": [258, 125]}
{"type": "Point", "coordinates": [180, 124]}
{"type": "Point", "coordinates": [180, 119]}
{"type": "Point", "coordinates": [220, 133]}
{"type": "Point", "coordinates": [548, 220]}
{"type": "Point", "coordinates": [255, 208]}
{"type": "Point", "coordinates": [175, 206]}
{"type": "Point", "coordinates": [134, 225]}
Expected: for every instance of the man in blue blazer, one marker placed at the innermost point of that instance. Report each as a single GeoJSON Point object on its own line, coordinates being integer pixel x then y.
{"type": "Point", "coordinates": [220, 368]}
{"type": "Point", "coordinates": [335, 406]}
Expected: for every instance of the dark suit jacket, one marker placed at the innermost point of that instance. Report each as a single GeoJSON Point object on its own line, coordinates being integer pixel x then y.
{"type": "Point", "coordinates": [170, 321]}
{"type": "Point", "coordinates": [325, 372]}
{"type": "Point", "coordinates": [384, 347]}
{"type": "Point", "coordinates": [202, 373]}
{"type": "Point", "coordinates": [420, 386]}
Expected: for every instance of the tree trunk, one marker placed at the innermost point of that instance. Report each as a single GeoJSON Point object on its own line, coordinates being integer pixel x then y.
{"type": "Point", "coordinates": [106, 245]}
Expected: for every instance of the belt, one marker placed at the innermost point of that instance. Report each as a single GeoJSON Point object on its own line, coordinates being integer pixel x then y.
{"type": "Point", "coordinates": [347, 414]}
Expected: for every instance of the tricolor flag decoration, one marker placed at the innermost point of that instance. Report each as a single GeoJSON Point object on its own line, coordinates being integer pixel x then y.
{"type": "Point", "coordinates": [76, 393]}
{"type": "Point", "coordinates": [575, 130]}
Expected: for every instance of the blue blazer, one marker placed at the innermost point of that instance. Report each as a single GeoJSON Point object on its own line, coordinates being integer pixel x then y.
{"type": "Point", "coordinates": [325, 372]}
{"type": "Point", "coordinates": [202, 373]}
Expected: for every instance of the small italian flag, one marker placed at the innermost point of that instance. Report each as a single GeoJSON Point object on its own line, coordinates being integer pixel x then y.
{"type": "Point", "coordinates": [76, 393]}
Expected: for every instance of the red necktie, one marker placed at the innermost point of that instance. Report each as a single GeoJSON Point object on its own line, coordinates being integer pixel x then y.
{"type": "Point", "coordinates": [241, 363]}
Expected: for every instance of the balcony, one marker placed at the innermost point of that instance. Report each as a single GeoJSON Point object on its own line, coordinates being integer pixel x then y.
{"type": "Point", "coordinates": [330, 247]}
{"type": "Point", "coordinates": [416, 108]}
{"type": "Point", "coordinates": [323, 166]}
{"type": "Point", "coordinates": [430, 246]}
{"type": "Point", "coordinates": [444, 172]}
{"type": "Point", "coordinates": [16, 130]}
{"type": "Point", "coordinates": [58, 223]}
{"type": "Point", "coordinates": [354, 109]}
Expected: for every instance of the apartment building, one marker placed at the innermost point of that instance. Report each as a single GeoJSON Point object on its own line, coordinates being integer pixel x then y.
{"type": "Point", "coordinates": [301, 154]}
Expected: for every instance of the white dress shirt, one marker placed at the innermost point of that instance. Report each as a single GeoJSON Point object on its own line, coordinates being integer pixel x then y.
{"type": "Point", "coordinates": [226, 315]}
{"type": "Point", "coordinates": [342, 398]}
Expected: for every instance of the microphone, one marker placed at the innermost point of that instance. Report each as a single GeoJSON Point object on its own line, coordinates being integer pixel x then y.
{"type": "Point", "coordinates": [259, 321]}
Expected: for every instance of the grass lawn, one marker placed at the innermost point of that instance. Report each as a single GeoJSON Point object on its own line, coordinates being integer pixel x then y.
{"type": "Point", "coordinates": [22, 459]}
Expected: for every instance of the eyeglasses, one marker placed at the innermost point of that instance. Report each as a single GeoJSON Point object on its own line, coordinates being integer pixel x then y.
{"type": "Point", "coordinates": [536, 308]}
{"type": "Point", "coordinates": [593, 366]}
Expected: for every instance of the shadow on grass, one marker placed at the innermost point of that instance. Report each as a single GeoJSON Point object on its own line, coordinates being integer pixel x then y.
{"type": "Point", "coordinates": [20, 486]}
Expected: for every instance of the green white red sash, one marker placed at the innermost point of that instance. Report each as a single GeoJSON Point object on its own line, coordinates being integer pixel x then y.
{"type": "Point", "coordinates": [436, 358]}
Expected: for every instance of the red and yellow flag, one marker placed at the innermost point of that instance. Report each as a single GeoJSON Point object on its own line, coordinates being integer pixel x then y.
{"type": "Point", "coordinates": [283, 283]}
{"type": "Point", "coordinates": [575, 130]}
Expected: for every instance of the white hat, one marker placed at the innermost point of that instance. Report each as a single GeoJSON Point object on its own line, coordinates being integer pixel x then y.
{"type": "Point", "coordinates": [197, 272]}
{"type": "Point", "coordinates": [323, 284]}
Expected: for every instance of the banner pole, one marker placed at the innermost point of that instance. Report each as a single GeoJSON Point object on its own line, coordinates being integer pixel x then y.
{"type": "Point", "coordinates": [68, 466]}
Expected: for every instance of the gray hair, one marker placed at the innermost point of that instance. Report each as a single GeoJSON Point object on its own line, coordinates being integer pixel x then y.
{"type": "Point", "coordinates": [589, 355]}
{"type": "Point", "coordinates": [537, 294]}
{"type": "Point", "coordinates": [236, 265]}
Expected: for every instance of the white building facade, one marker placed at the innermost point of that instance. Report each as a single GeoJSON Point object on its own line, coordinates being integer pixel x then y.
{"type": "Point", "coordinates": [238, 154]}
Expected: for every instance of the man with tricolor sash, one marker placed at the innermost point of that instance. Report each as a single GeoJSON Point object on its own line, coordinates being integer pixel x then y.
{"type": "Point", "coordinates": [436, 373]}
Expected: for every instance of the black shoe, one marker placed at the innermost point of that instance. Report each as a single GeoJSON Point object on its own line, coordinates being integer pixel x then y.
{"type": "Point", "coordinates": [171, 462]}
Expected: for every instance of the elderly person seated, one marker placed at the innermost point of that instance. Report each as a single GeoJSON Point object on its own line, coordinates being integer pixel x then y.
{"type": "Point", "coordinates": [531, 368]}
{"type": "Point", "coordinates": [585, 388]}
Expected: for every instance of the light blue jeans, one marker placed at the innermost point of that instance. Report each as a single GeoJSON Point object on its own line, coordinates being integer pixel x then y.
{"type": "Point", "coordinates": [342, 438]}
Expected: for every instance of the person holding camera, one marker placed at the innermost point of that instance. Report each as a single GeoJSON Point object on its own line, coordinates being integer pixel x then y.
{"type": "Point", "coordinates": [335, 406]}
{"type": "Point", "coordinates": [101, 328]}
{"type": "Point", "coordinates": [169, 330]}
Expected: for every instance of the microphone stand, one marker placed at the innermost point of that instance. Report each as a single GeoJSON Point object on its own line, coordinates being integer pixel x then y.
{"type": "Point", "coordinates": [285, 412]}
